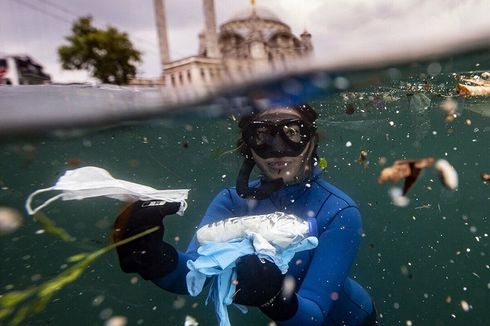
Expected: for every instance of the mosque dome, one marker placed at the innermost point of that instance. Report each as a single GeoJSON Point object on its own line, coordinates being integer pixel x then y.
{"type": "Point", "coordinates": [256, 33]}
{"type": "Point", "coordinates": [255, 12]}
{"type": "Point", "coordinates": [251, 21]}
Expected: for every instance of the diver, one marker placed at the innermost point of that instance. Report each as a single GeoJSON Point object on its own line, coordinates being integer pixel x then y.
{"type": "Point", "coordinates": [282, 142]}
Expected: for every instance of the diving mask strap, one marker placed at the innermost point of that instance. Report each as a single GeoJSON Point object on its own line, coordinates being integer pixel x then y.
{"type": "Point", "coordinates": [264, 191]}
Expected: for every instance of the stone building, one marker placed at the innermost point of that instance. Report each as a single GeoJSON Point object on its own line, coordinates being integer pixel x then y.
{"type": "Point", "coordinates": [253, 41]}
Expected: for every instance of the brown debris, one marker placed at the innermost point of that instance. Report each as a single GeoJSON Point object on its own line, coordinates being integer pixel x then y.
{"type": "Point", "coordinates": [409, 170]}
{"type": "Point", "coordinates": [362, 160]}
{"type": "Point", "coordinates": [485, 176]}
{"type": "Point", "coordinates": [474, 86]}
{"type": "Point", "coordinates": [73, 162]}
{"type": "Point", "coordinates": [350, 109]}
{"type": "Point", "coordinates": [468, 90]}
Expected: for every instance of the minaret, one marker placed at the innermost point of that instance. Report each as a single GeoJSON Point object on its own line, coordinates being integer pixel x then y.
{"type": "Point", "coordinates": [161, 21]}
{"type": "Point", "coordinates": [211, 37]}
{"type": "Point", "coordinates": [306, 40]}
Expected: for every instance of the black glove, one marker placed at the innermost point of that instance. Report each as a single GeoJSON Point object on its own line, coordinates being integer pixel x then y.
{"type": "Point", "coordinates": [149, 255]}
{"type": "Point", "coordinates": [259, 284]}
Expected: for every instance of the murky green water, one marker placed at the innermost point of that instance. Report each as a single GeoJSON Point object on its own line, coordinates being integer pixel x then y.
{"type": "Point", "coordinates": [424, 264]}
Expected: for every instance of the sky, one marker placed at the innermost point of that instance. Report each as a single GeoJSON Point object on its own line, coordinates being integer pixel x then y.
{"type": "Point", "coordinates": [38, 27]}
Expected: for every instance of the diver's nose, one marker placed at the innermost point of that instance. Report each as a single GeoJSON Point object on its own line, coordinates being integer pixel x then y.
{"type": "Point", "coordinates": [278, 144]}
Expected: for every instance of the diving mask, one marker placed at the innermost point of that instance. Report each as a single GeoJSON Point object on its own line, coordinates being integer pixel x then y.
{"type": "Point", "coordinates": [285, 138]}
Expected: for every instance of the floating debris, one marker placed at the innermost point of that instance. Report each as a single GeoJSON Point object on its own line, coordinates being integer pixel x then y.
{"type": "Point", "coordinates": [97, 301]}
{"type": "Point", "coordinates": [467, 90]}
{"type": "Point", "coordinates": [449, 106]}
{"type": "Point", "coordinates": [409, 170]}
{"type": "Point", "coordinates": [398, 198]}
{"type": "Point", "coordinates": [73, 162]}
{"type": "Point", "coordinates": [350, 109]}
{"type": "Point", "coordinates": [362, 159]}
{"type": "Point", "coordinates": [10, 220]}
{"type": "Point", "coordinates": [447, 173]}
{"type": "Point", "coordinates": [474, 86]}
{"type": "Point", "coordinates": [190, 321]}
{"type": "Point", "coordinates": [323, 164]}
{"type": "Point", "coordinates": [465, 305]}
{"type": "Point", "coordinates": [382, 160]}
{"type": "Point", "coordinates": [288, 286]}
{"type": "Point", "coordinates": [424, 206]}
{"type": "Point", "coordinates": [376, 102]}
{"type": "Point", "coordinates": [117, 321]}
{"type": "Point", "coordinates": [418, 102]}
{"type": "Point", "coordinates": [179, 302]}
{"type": "Point", "coordinates": [485, 176]}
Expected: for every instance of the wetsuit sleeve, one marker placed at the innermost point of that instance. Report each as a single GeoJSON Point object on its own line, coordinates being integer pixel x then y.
{"type": "Point", "coordinates": [221, 207]}
{"type": "Point", "coordinates": [330, 266]}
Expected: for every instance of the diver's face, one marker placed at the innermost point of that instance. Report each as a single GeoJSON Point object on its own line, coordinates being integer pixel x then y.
{"type": "Point", "coordinates": [283, 157]}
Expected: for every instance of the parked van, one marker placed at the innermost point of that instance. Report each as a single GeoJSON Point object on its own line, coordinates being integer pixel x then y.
{"type": "Point", "coordinates": [21, 70]}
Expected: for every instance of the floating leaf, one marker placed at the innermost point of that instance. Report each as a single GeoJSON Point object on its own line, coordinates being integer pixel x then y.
{"type": "Point", "coordinates": [323, 163]}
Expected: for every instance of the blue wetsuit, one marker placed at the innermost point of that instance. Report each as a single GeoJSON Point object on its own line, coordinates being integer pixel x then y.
{"type": "Point", "coordinates": [326, 295]}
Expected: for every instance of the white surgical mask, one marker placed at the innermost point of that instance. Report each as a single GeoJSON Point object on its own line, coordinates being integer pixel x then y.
{"type": "Point", "coordinates": [91, 181]}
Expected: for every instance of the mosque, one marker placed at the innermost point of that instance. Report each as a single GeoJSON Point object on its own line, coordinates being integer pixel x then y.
{"type": "Point", "coordinates": [252, 41]}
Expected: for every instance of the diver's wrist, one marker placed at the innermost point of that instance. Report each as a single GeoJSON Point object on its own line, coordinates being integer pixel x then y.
{"type": "Point", "coordinates": [312, 226]}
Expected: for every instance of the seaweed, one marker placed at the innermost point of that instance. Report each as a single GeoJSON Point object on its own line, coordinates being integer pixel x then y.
{"type": "Point", "coordinates": [50, 227]}
{"type": "Point", "coordinates": [24, 303]}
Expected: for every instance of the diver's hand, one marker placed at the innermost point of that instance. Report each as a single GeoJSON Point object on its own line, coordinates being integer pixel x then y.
{"type": "Point", "coordinates": [141, 216]}
{"type": "Point", "coordinates": [148, 256]}
{"type": "Point", "coordinates": [259, 284]}
{"type": "Point", "coordinates": [258, 281]}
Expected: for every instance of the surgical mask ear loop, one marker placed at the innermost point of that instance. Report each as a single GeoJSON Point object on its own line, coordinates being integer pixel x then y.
{"type": "Point", "coordinates": [264, 191]}
{"type": "Point", "coordinates": [46, 203]}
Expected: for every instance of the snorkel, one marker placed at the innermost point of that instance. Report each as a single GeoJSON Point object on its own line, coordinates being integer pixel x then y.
{"type": "Point", "coordinates": [265, 189]}
{"type": "Point", "coordinates": [273, 139]}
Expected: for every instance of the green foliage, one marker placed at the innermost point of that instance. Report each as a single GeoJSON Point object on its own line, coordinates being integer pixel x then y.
{"type": "Point", "coordinates": [107, 54]}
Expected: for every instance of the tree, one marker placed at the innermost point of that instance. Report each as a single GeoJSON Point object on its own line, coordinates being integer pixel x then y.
{"type": "Point", "coordinates": [107, 54]}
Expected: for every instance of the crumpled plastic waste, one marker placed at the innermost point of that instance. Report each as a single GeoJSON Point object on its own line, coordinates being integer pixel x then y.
{"type": "Point", "coordinates": [217, 258]}
{"type": "Point", "coordinates": [278, 228]}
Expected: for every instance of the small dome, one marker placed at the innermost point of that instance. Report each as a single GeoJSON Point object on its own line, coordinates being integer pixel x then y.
{"type": "Point", "coordinates": [260, 12]}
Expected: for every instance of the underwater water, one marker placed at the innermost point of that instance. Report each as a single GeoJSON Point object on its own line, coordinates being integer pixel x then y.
{"type": "Point", "coordinates": [424, 264]}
